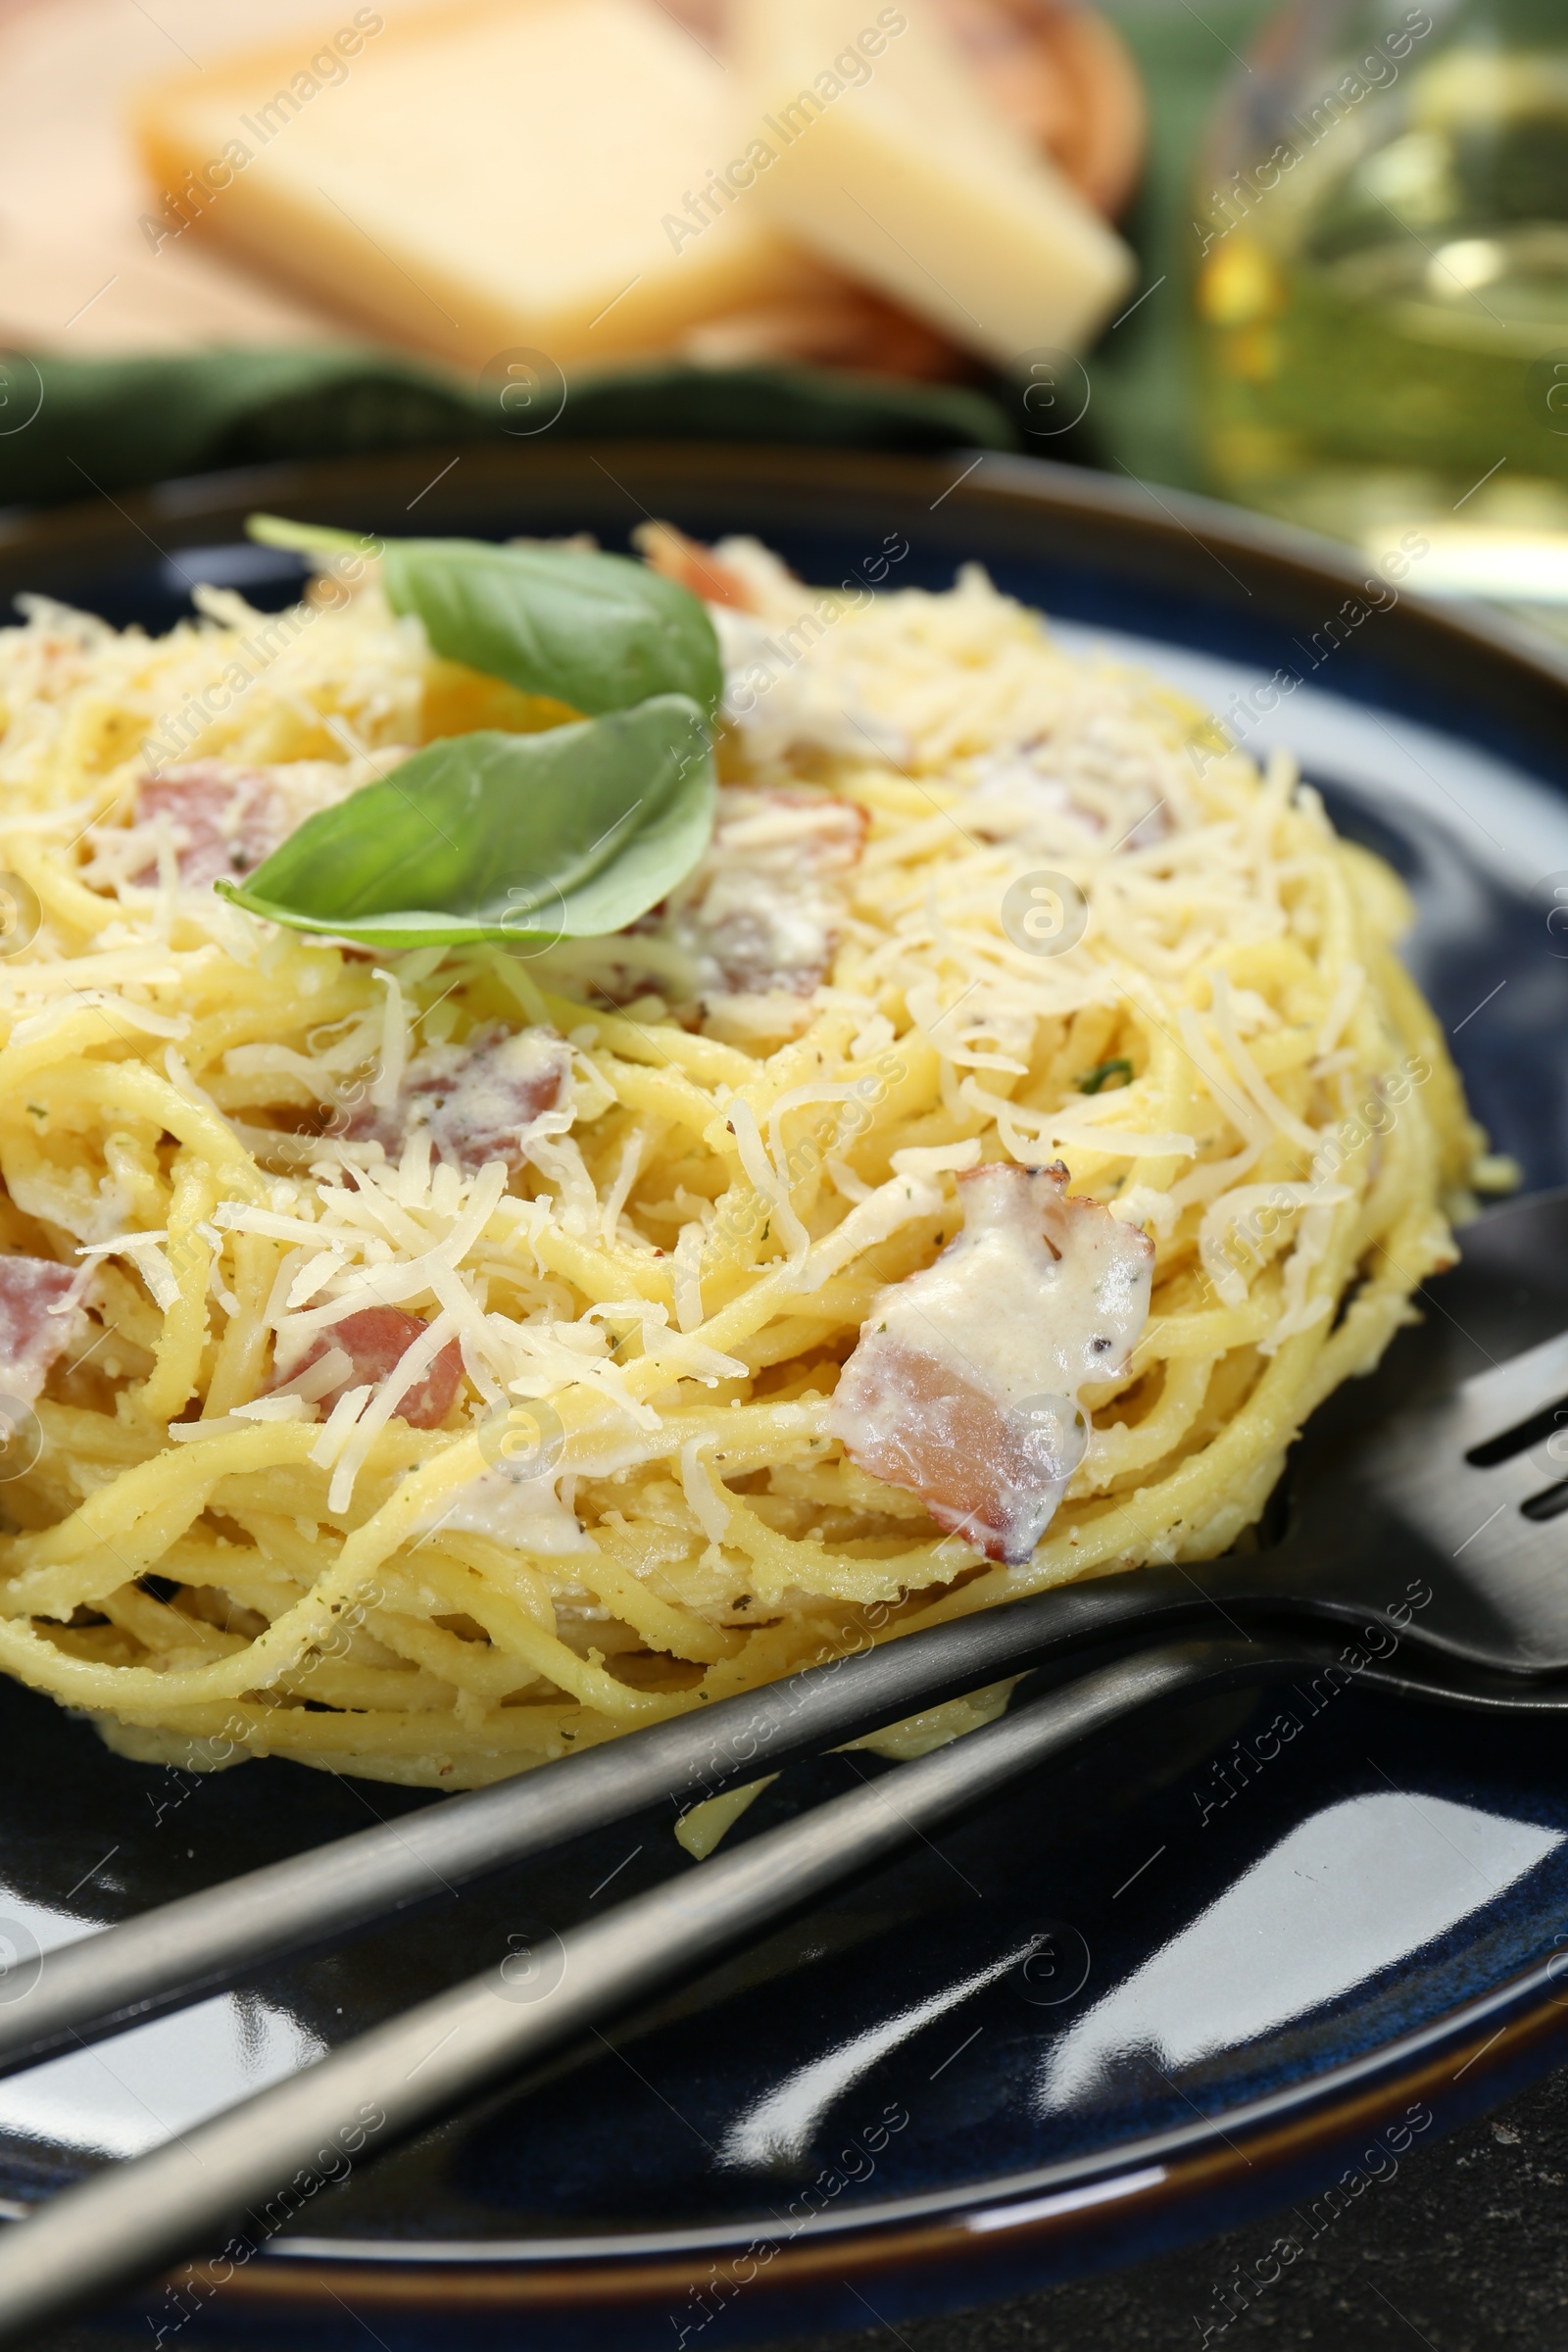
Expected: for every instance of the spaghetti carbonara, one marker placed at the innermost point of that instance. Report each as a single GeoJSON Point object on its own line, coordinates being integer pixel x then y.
{"type": "Point", "coordinates": [968, 1179]}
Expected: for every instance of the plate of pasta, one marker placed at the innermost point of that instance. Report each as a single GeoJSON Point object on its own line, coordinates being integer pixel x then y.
{"type": "Point", "coordinates": [716, 1057]}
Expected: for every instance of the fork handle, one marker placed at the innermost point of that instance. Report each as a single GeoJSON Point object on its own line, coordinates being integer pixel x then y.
{"type": "Point", "coordinates": [122, 1974]}
{"type": "Point", "coordinates": [135, 2218]}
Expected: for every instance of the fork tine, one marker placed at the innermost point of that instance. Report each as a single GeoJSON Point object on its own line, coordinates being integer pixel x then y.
{"type": "Point", "coordinates": [1489, 1403]}
{"type": "Point", "coordinates": [1472, 1514]}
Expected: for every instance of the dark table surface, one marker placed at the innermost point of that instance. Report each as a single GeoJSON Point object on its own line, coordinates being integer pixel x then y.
{"type": "Point", "coordinates": [1465, 2248]}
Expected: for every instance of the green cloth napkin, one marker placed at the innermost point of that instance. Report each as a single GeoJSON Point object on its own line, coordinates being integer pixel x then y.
{"type": "Point", "coordinates": [113, 426]}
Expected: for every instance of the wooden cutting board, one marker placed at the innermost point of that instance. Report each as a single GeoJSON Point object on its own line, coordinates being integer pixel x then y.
{"type": "Point", "coordinates": [79, 277]}
{"type": "Point", "coordinates": [77, 272]}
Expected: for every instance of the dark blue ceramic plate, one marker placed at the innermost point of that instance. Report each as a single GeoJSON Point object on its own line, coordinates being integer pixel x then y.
{"type": "Point", "coordinates": [1289, 1938]}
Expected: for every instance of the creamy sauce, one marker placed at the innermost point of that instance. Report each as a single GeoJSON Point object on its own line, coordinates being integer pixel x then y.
{"type": "Point", "coordinates": [1042, 794]}
{"type": "Point", "coordinates": [527, 1514]}
{"type": "Point", "coordinates": [964, 1386]}
{"type": "Point", "coordinates": [751, 935]}
{"type": "Point", "coordinates": [763, 910]}
{"type": "Point", "coordinates": [781, 702]}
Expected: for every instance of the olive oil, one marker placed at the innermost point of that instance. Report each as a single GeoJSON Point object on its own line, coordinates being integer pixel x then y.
{"type": "Point", "coordinates": [1383, 322]}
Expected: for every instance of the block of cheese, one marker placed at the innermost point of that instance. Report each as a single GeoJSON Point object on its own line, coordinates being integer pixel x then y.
{"type": "Point", "coordinates": [487, 178]}
{"type": "Point", "coordinates": [887, 161]}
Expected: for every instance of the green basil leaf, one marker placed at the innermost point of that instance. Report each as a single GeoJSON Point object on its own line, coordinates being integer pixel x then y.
{"type": "Point", "coordinates": [310, 538]}
{"type": "Point", "coordinates": [598, 632]}
{"type": "Point", "coordinates": [566, 835]}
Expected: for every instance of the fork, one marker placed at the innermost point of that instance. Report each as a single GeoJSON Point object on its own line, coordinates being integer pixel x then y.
{"type": "Point", "coordinates": [1455, 1494]}
{"type": "Point", "coordinates": [1455, 1489]}
{"type": "Point", "coordinates": [253, 2168]}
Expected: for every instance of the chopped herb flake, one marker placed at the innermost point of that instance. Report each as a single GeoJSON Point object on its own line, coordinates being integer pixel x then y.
{"type": "Point", "coordinates": [1103, 1073]}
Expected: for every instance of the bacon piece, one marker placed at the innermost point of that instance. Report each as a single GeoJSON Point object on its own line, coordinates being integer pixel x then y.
{"type": "Point", "coordinates": [478, 1100]}
{"type": "Point", "coordinates": [222, 820]}
{"type": "Point", "coordinates": [692, 565]}
{"type": "Point", "coordinates": [375, 1341]}
{"type": "Point", "coordinates": [32, 1339]}
{"type": "Point", "coordinates": [760, 918]}
{"type": "Point", "coordinates": [763, 910]}
{"type": "Point", "coordinates": [963, 1388]}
